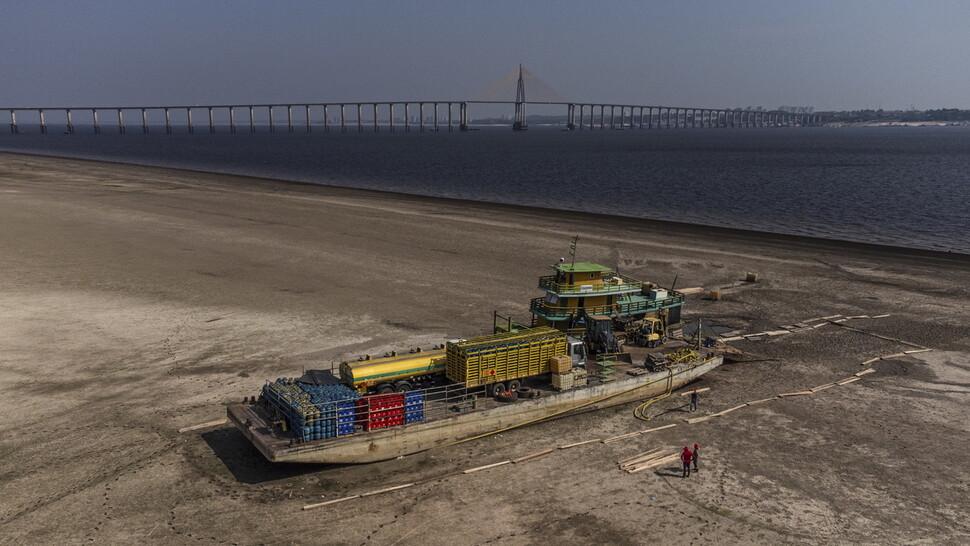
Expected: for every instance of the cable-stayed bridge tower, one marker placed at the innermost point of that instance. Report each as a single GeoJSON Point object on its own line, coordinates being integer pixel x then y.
{"type": "Point", "coordinates": [520, 121]}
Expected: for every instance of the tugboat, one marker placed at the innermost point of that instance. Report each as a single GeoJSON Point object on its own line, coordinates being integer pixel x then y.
{"type": "Point", "coordinates": [591, 344]}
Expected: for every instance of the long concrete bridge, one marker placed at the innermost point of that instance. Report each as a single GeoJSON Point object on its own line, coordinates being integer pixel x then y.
{"type": "Point", "coordinates": [377, 116]}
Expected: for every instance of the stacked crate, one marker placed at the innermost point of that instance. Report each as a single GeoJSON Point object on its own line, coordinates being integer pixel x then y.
{"type": "Point", "coordinates": [413, 406]}
{"type": "Point", "coordinates": [561, 367]}
{"type": "Point", "coordinates": [381, 410]}
{"type": "Point", "coordinates": [580, 377]}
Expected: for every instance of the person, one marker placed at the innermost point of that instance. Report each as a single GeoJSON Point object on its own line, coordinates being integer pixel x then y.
{"type": "Point", "coordinates": [693, 400]}
{"type": "Point", "coordinates": [686, 457]}
{"type": "Point", "coordinates": [695, 455]}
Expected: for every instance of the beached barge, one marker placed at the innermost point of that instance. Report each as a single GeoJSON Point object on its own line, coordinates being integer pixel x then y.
{"type": "Point", "coordinates": [577, 355]}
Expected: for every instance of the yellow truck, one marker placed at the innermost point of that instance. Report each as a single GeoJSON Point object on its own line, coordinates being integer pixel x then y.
{"type": "Point", "coordinates": [500, 361]}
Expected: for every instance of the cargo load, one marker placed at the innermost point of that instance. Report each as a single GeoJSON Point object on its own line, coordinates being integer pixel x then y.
{"type": "Point", "coordinates": [503, 357]}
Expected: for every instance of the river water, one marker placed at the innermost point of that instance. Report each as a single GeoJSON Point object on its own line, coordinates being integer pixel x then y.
{"type": "Point", "coordinates": [901, 186]}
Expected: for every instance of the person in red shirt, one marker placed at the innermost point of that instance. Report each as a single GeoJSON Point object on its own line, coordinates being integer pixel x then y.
{"type": "Point", "coordinates": [686, 457]}
{"type": "Point", "coordinates": [696, 455]}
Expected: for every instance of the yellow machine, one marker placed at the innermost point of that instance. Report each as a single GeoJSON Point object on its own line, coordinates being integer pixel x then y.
{"type": "Point", "coordinates": [394, 373]}
{"type": "Point", "coordinates": [650, 332]}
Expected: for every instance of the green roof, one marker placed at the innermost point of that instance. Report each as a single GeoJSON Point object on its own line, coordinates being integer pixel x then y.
{"type": "Point", "coordinates": [581, 267]}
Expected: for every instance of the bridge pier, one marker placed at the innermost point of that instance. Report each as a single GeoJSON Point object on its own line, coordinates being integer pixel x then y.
{"type": "Point", "coordinates": [212, 124]}
{"type": "Point", "coordinates": [360, 122]}
{"type": "Point", "coordinates": [252, 121]}
{"type": "Point", "coordinates": [309, 125]}
{"type": "Point", "coordinates": [43, 125]}
{"type": "Point", "coordinates": [421, 116]}
{"type": "Point", "coordinates": [326, 119]}
{"type": "Point", "coordinates": [463, 116]}
{"type": "Point", "coordinates": [94, 116]}
{"type": "Point", "coordinates": [232, 120]}
{"type": "Point", "coordinates": [144, 121]}
{"type": "Point", "coordinates": [435, 113]}
{"type": "Point", "coordinates": [70, 123]}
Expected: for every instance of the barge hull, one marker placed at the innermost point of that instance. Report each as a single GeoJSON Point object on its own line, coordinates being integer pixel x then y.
{"type": "Point", "coordinates": [392, 442]}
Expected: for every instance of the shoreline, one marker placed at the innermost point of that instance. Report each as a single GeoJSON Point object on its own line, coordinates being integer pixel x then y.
{"type": "Point", "coordinates": [681, 228]}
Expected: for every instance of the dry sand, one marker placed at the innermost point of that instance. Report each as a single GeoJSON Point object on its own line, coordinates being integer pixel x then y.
{"type": "Point", "coordinates": [136, 301]}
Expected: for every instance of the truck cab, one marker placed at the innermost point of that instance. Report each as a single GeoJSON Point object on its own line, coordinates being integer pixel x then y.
{"type": "Point", "coordinates": [576, 349]}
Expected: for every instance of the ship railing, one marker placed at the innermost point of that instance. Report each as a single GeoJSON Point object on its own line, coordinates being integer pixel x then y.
{"type": "Point", "coordinates": [540, 307]}
{"type": "Point", "coordinates": [612, 285]}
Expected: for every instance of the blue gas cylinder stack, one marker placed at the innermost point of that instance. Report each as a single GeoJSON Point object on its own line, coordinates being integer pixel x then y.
{"type": "Point", "coordinates": [312, 411]}
{"type": "Point", "coordinates": [413, 406]}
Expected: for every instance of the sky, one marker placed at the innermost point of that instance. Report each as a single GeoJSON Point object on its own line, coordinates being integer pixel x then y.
{"type": "Point", "coordinates": [829, 54]}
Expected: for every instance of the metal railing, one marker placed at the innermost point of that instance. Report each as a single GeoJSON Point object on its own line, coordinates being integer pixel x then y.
{"type": "Point", "coordinates": [540, 307]}
{"type": "Point", "coordinates": [618, 284]}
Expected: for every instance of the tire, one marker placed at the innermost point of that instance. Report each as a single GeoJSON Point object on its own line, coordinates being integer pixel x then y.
{"type": "Point", "coordinates": [384, 388]}
{"type": "Point", "coordinates": [515, 385]}
{"type": "Point", "coordinates": [403, 386]}
{"type": "Point", "coordinates": [497, 388]}
{"type": "Point", "coordinates": [508, 396]}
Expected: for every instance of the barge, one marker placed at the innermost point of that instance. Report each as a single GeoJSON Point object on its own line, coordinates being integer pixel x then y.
{"type": "Point", "coordinates": [580, 353]}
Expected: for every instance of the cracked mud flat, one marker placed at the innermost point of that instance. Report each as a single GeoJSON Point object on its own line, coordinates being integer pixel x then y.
{"type": "Point", "coordinates": [136, 301]}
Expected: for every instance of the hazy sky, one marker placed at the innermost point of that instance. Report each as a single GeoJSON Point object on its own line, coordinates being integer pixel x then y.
{"type": "Point", "coordinates": [831, 54]}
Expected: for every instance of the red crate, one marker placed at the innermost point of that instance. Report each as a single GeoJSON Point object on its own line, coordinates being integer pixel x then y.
{"type": "Point", "coordinates": [381, 410]}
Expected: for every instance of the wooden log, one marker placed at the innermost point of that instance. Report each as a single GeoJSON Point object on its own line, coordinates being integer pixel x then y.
{"type": "Point", "coordinates": [386, 490]}
{"type": "Point", "coordinates": [800, 393]}
{"type": "Point", "coordinates": [847, 381]}
{"type": "Point", "coordinates": [822, 387]}
{"type": "Point", "coordinates": [533, 456]}
{"type": "Point", "coordinates": [819, 325]}
{"type": "Point", "coordinates": [567, 446]}
{"type": "Point", "coordinates": [204, 425]}
{"type": "Point", "coordinates": [864, 372]}
{"type": "Point", "coordinates": [478, 468]}
{"type": "Point", "coordinates": [914, 351]}
{"type": "Point", "coordinates": [687, 393]}
{"type": "Point", "coordinates": [894, 355]}
{"type": "Point", "coordinates": [881, 316]}
{"type": "Point", "coordinates": [762, 401]}
{"type": "Point", "coordinates": [335, 501]}
{"type": "Point", "coordinates": [871, 360]}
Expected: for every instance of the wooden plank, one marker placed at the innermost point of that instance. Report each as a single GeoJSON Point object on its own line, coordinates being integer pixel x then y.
{"type": "Point", "coordinates": [732, 338]}
{"type": "Point", "coordinates": [621, 437]}
{"type": "Point", "coordinates": [735, 408]}
{"type": "Point", "coordinates": [853, 317]}
{"type": "Point", "coordinates": [439, 478]}
{"type": "Point", "coordinates": [645, 460]}
{"type": "Point", "coordinates": [593, 441]}
{"type": "Point", "coordinates": [691, 290]}
{"type": "Point", "coordinates": [478, 468]}
{"type": "Point", "coordinates": [533, 456]}
{"type": "Point", "coordinates": [914, 351]}
{"type": "Point", "coordinates": [864, 372]}
{"type": "Point", "coordinates": [386, 490]}
{"type": "Point", "coordinates": [204, 425]}
{"type": "Point", "coordinates": [654, 464]}
{"type": "Point", "coordinates": [871, 360]}
{"type": "Point", "coordinates": [847, 381]}
{"type": "Point", "coordinates": [777, 332]}
{"type": "Point", "coordinates": [762, 401]}
{"type": "Point", "coordinates": [800, 393]}
{"type": "Point", "coordinates": [881, 316]}
{"type": "Point", "coordinates": [819, 325]}
{"type": "Point", "coordinates": [687, 393]}
{"type": "Point", "coordinates": [699, 419]}
{"type": "Point", "coordinates": [629, 460]}
{"type": "Point", "coordinates": [335, 501]}
{"type": "Point", "coordinates": [894, 355]}
{"type": "Point", "coordinates": [830, 317]}
{"type": "Point", "coordinates": [822, 387]}
{"type": "Point", "coordinates": [658, 428]}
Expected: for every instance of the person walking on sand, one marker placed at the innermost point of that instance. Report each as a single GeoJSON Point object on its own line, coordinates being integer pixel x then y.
{"type": "Point", "coordinates": [695, 455]}
{"type": "Point", "coordinates": [686, 457]}
{"type": "Point", "coordinates": [693, 400]}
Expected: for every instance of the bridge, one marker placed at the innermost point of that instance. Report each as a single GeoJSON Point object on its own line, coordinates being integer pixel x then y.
{"type": "Point", "coordinates": [391, 116]}
{"type": "Point", "coordinates": [430, 115]}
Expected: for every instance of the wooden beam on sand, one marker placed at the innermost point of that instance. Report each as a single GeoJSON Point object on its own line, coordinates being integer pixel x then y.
{"type": "Point", "coordinates": [593, 441]}
{"type": "Point", "coordinates": [532, 456]}
{"type": "Point", "coordinates": [217, 422]}
{"type": "Point", "coordinates": [762, 401]}
{"type": "Point", "coordinates": [864, 372]}
{"type": "Point", "coordinates": [822, 387]}
{"type": "Point", "coordinates": [653, 464]}
{"type": "Point", "coordinates": [486, 467]}
{"type": "Point", "coordinates": [847, 381]}
{"type": "Point", "coordinates": [641, 456]}
{"type": "Point", "coordinates": [705, 389]}
{"type": "Point", "coordinates": [729, 410]}
{"type": "Point", "coordinates": [699, 419]}
{"type": "Point", "coordinates": [800, 393]}
{"type": "Point", "coordinates": [319, 504]}
{"type": "Point", "coordinates": [386, 490]}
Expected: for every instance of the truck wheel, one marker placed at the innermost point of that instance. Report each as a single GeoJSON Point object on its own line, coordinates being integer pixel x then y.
{"type": "Point", "coordinates": [497, 388]}
{"type": "Point", "coordinates": [515, 385]}
{"type": "Point", "coordinates": [508, 396]}
{"type": "Point", "coordinates": [385, 388]}
{"type": "Point", "coordinates": [403, 386]}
